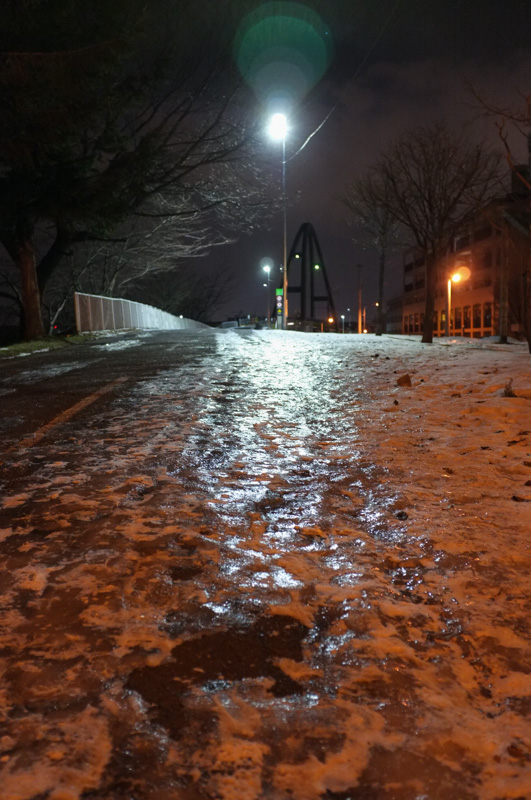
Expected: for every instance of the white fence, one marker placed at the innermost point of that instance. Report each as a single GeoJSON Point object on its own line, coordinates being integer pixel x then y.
{"type": "Point", "coordinates": [97, 313]}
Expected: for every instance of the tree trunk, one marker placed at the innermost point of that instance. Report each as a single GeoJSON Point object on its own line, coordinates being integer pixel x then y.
{"type": "Point", "coordinates": [31, 299]}
{"type": "Point", "coordinates": [527, 301]}
{"type": "Point", "coordinates": [380, 313]}
{"type": "Point", "coordinates": [427, 330]}
{"type": "Point", "coordinates": [503, 323]}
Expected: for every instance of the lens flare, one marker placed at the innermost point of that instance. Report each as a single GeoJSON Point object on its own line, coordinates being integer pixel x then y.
{"type": "Point", "coordinates": [282, 50]}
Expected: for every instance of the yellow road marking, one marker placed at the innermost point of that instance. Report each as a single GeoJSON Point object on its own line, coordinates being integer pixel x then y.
{"type": "Point", "coordinates": [64, 416]}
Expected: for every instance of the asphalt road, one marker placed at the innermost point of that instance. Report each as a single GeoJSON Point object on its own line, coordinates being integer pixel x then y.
{"type": "Point", "coordinates": [202, 595]}
{"type": "Point", "coordinates": [38, 389]}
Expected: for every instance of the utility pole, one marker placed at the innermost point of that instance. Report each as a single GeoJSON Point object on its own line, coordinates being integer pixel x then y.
{"type": "Point", "coordinates": [360, 310]}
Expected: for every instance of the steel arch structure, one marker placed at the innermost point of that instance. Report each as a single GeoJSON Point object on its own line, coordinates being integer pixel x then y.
{"type": "Point", "coordinates": [306, 263]}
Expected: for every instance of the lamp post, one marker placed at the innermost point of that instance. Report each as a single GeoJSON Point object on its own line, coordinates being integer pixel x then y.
{"type": "Point", "coordinates": [343, 323]}
{"type": "Point", "coordinates": [360, 327]}
{"type": "Point", "coordinates": [461, 274]}
{"type": "Point", "coordinates": [267, 265]}
{"type": "Point", "coordinates": [267, 304]}
{"type": "Point", "coordinates": [267, 270]}
{"type": "Point", "coordinates": [278, 129]}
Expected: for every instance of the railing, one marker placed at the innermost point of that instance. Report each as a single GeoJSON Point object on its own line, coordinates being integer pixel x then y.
{"type": "Point", "coordinates": [97, 313]}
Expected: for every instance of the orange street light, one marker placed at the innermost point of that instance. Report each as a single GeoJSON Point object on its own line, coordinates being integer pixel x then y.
{"type": "Point", "coordinates": [461, 274]}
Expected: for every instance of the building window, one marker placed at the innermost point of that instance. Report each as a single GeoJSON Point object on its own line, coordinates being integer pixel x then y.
{"type": "Point", "coordinates": [466, 317]}
{"type": "Point", "coordinates": [458, 318]}
{"type": "Point", "coordinates": [487, 314]}
{"type": "Point", "coordinates": [476, 316]}
{"type": "Point", "coordinates": [417, 328]}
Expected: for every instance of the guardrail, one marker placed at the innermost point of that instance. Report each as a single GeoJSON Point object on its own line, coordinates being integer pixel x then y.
{"type": "Point", "coordinates": [97, 313]}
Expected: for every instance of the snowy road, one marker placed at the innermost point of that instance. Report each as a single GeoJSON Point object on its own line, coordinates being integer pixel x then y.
{"type": "Point", "coordinates": [250, 566]}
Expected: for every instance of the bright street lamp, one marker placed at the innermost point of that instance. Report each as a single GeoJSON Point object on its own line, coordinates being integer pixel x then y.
{"type": "Point", "coordinates": [267, 265]}
{"type": "Point", "coordinates": [343, 322]}
{"type": "Point", "coordinates": [278, 128]}
{"type": "Point", "coordinates": [267, 269]}
{"type": "Point", "coordinates": [461, 274]}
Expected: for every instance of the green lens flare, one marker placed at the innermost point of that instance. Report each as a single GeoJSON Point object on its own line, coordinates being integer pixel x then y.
{"type": "Point", "coordinates": [282, 50]}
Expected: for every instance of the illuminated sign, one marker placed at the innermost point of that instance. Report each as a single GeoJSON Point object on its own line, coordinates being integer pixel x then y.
{"type": "Point", "coordinates": [279, 301]}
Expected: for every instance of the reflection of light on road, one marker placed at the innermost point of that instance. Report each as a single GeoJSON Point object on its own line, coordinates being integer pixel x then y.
{"type": "Point", "coordinates": [267, 448]}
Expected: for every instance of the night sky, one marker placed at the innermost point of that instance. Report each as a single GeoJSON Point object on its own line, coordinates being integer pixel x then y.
{"type": "Point", "coordinates": [396, 64]}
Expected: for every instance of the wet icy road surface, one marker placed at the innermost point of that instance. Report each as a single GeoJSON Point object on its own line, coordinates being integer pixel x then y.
{"type": "Point", "coordinates": [211, 590]}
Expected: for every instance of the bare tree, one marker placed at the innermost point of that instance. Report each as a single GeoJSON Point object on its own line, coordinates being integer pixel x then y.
{"type": "Point", "coordinates": [187, 291]}
{"type": "Point", "coordinates": [157, 240]}
{"type": "Point", "coordinates": [374, 224]}
{"type": "Point", "coordinates": [515, 122]}
{"type": "Point", "coordinates": [106, 107]}
{"type": "Point", "coordinates": [433, 181]}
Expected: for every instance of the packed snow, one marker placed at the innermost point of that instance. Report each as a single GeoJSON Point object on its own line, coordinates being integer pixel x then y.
{"type": "Point", "coordinates": [288, 567]}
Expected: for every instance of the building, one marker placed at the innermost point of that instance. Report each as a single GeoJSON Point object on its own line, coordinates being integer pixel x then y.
{"type": "Point", "coordinates": [493, 295]}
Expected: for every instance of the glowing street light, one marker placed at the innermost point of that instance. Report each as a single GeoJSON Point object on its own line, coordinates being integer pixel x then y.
{"type": "Point", "coordinates": [461, 274]}
{"type": "Point", "coordinates": [267, 265]}
{"type": "Point", "coordinates": [278, 129]}
{"type": "Point", "coordinates": [343, 322]}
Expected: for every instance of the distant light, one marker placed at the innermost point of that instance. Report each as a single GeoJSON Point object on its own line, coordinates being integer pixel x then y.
{"type": "Point", "coordinates": [461, 274]}
{"type": "Point", "coordinates": [291, 323]}
{"type": "Point", "coordinates": [264, 284]}
{"type": "Point", "coordinates": [278, 127]}
{"type": "Point", "coordinates": [365, 330]}
{"type": "Point", "coordinates": [181, 316]}
{"type": "Point", "coordinates": [267, 269]}
{"type": "Point", "coordinates": [342, 316]}
{"type": "Point", "coordinates": [297, 255]}
{"type": "Point", "coordinates": [316, 266]}
{"type": "Point", "coordinates": [330, 319]}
